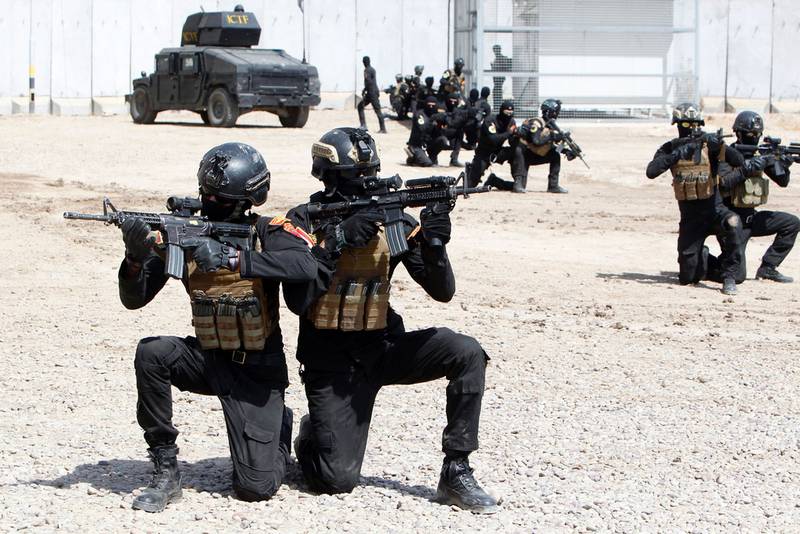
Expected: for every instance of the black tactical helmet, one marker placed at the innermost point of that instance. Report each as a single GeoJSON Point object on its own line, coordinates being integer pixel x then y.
{"type": "Point", "coordinates": [551, 108]}
{"type": "Point", "coordinates": [748, 125]}
{"type": "Point", "coordinates": [458, 63]}
{"type": "Point", "coordinates": [485, 92]}
{"type": "Point", "coordinates": [398, 78]}
{"type": "Point", "coordinates": [429, 81]}
{"type": "Point", "coordinates": [234, 171]}
{"type": "Point", "coordinates": [418, 69]}
{"type": "Point", "coordinates": [687, 113]}
{"type": "Point", "coordinates": [239, 8]}
{"type": "Point", "coordinates": [344, 154]}
{"type": "Point", "coordinates": [408, 78]}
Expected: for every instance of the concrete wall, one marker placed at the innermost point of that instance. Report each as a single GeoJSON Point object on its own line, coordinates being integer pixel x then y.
{"type": "Point", "coordinates": [94, 48]}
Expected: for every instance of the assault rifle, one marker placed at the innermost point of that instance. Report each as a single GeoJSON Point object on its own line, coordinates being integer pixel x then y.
{"type": "Point", "coordinates": [698, 138]}
{"type": "Point", "coordinates": [385, 194]}
{"type": "Point", "coordinates": [567, 140]}
{"type": "Point", "coordinates": [177, 230]}
{"type": "Point", "coordinates": [772, 147]}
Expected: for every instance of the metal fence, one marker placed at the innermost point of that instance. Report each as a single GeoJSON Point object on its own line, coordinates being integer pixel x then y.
{"type": "Point", "coordinates": [602, 58]}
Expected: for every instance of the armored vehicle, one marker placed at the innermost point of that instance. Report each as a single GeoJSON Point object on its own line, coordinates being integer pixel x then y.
{"type": "Point", "coordinates": [217, 74]}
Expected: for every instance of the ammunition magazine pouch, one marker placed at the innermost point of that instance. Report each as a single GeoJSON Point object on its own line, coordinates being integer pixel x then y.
{"type": "Point", "coordinates": [692, 180]}
{"type": "Point", "coordinates": [751, 192]}
{"type": "Point", "coordinates": [229, 312]}
{"type": "Point", "coordinates": [539, 150]}
{"type": "Point", "coordinates": [358, 298]}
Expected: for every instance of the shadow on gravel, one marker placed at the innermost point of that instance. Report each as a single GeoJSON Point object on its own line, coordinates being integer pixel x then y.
{"type": "Point", "coordinates": [201, 125]}
{"type": "Point", "coordinates": [417, 491]}
{"type": "Point", "coordinates": [666, 277]}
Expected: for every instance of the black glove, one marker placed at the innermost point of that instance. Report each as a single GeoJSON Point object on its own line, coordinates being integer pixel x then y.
{"type": "Point", "coordinates": [435, 219]}
{"type": "Point", "coordinates": [685, 151]}
{"type": "Point", "coordinates": [713, 142]}
{"type": "Point", "coordinates": [556, 137]}
{"type": "Point", "coordinates": [138, 239]}
{"type": "Point", "coordinates": [569, 154]}
{"type": "Point", "coordinates": [755, 165]}
{"type": "Point", "coordinates": [211, 255]}
{"type": "Point", "coordinates": [358, 229]}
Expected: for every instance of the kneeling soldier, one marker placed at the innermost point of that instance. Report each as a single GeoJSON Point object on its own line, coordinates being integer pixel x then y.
{"type": "Point", "coordinates": [237, 352]}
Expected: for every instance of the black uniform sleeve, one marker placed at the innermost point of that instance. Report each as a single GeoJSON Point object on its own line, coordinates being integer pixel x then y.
{"type": "Point", "coordinates": [783, 179]}
{"type": "Point", "coordinates": [301, 294]}
{"type": "Point", "coordinates": [494, 139]}
{"type": "Point", "coordinates": [663, 159]}
{"type": "Point", "coordinates": [729, 176]}
{"type": "Point", "coordinates": [428, 266]}
{"type": "Point", "coordinates": [135, 292]}
{"type": "Point", "coordinates": [285, 256]}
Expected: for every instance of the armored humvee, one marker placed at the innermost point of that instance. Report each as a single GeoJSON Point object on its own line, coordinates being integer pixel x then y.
{"type": "Point", "coordinates": [217, 74]}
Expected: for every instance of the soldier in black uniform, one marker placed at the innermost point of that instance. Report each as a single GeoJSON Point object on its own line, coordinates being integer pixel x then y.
{"type": "Point", "coordinates": [474, 120]}
{"type": "Point", "coordinates": [456, 119]}
{"type": "Point", "coordinates": [693, 159]}
{"type": "Point", "coordinates": [497, 130]}
{"type": "Point", "coordinates": [424, 92]}
{"type": "Point", "coordinates": [452, 80]}
{"type": "Point", "coordinates": [239, 359]}
{"type": "Point", "coordinates": [745, 188]}
{"type": "Point", "coordinates": [352, 343]}
{"type": "Point", "coordinates": [427, 139]}
{"type": "Point", "coordinates": [483, 102]}
{"type": "Point", "coordinates": [540, 144]}
{"type": "Point", "coordinates": [370, 95]}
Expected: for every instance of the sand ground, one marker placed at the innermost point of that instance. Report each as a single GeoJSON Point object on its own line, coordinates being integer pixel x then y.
{"type": "Point", "coordinates": [616, 399]}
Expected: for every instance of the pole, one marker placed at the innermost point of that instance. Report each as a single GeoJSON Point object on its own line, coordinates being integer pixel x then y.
{"type": "Point", "coordinates": [31, 69]}
{"type": "Point", "coordinates": [770, 108]}
{"type": "Point", "coordinates": [725, 105]}
{"type": "Point", "coordinates": [303, 11]}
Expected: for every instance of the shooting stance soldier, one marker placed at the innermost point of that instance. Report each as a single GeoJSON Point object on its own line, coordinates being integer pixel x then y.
{"type": "Point", "coordinates": [351, 341]}
{"type": "Point", "coordinates": [693, 158]}
{"type": "Point", "coordinates": [237, 351]}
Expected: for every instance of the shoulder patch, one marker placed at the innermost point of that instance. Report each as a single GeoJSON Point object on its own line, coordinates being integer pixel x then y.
{"type": "Point", "coordinates": [278, 220]}
{"type": "Point", "coordinates": [420, 120]}
{"type": "Point", "coordinates": [299, 233]}
{"type": "Point", "coordinates": [492, 128]}
{"type": "Point", "coordinates": [414, 232]}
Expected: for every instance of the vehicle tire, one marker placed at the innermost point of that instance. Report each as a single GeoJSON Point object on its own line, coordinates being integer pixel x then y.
{"type": "Point", "coordinates": [204, 116]}
{"type": "Point", "coordinates": [141, 107]}
{"type": "Point", "coordinates": [222, 109]}
{"type": "Point", "coordinates": [294, 117]}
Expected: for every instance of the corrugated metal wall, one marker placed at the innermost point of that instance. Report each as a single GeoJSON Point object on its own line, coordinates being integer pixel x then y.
{"type": "Point", "coordinates": [85, 48]}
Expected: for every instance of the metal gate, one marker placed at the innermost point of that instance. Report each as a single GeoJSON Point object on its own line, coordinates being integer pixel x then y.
{"type": "Point", "coordinates": [602, 58]}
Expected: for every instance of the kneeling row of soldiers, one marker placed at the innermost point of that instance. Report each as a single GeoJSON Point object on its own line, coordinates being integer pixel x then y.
{"type": "Point", "coordinates": [495, 139]}
{"type": "Point", "coordinates": [336, 276]}
{"type": "Point", "coordinates": [718, 188]}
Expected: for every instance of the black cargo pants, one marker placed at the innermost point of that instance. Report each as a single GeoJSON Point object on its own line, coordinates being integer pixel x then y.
{"type": "Point", "coordinates": [553, 158]}
{"type": "Point", "coordinates": [332, 441]}
{"type": "Point", "coordinates": [693, 229]}
{"type": "Point", "coordinates": [251, 394]}
{"type": "Point", "coordinates": [375, 101]}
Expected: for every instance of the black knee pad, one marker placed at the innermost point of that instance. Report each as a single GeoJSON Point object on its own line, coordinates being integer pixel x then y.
{"type": "Point", "coordinates": [732, 221]}
{"type": "Point", "coordinates": [254, 492]}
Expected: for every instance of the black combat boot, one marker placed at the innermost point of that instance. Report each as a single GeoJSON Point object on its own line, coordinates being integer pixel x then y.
{"type": "Point", "coordinates": [729, 286]}
{"type": "Point", "coordinates": [165, 486]}
{"type": "Point", "coordinates": [455, 163]}
{"type": "Point", "coordinates": [553, 187]}
{"type": "Point", "coordinates": [457, 486]}
{"type": "Point", "coordinates": [493, 181]}
{"type": "Point", "coordinates": [768, 272]}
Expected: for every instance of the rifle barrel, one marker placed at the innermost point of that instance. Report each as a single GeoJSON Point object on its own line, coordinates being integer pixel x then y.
{"type": "Point", "coordinates": [87, 216]}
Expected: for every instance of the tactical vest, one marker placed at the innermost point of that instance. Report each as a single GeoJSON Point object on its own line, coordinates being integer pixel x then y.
{"type": "Point", "coordinates": [752, 192]}
{"type": "Point", "coordinates": [454, 82]}
{"type": "Point", "coordinates": [693, 180]}
{"type": "Point", "coordinates": [539, 150]}
{"type": "Point", "coordinates": [229, 312]}
{"type": "Point", "coordinates": [358, 297]}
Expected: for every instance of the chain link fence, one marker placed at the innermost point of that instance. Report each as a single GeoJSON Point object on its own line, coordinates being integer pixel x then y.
{"type": "Point", "coordinates": [602, 58]}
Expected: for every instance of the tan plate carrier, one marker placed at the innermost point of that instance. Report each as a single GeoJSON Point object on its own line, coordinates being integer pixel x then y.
{"type": "Point", "coordinates": [693, 181]}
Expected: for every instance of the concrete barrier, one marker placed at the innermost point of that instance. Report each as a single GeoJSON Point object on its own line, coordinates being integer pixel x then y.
{"type": "Point", "coordinates": [72, 106]}
{"type": "Point", "coordinates": [109, 105]}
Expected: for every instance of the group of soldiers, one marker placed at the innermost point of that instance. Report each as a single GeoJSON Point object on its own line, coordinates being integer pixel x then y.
{"type": "Point", "coordinates": [443, 120]}
{"type": "Point", "coordinates": [718, 188]}
{"type": "Point", "coordinates": [337, 277]}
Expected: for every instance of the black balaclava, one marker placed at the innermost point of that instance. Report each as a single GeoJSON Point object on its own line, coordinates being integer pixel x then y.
{"type": "Point", "coordinates": [684, 131]}
{"type": "Point", "coordinates": [506, 112]}
{"type": "Point", "coordinates": [473, 95]}
{"type": "Point", "coordinates": [429, 82]}
{"type": "Point", "coordinates": [451, 102]}
{"type": "Point", "coordinates": [223, 209]}
{"type": "Point", "coordinates": [485, 92]}
{"type": "Point", "coordinates": [431, 106]}
{"type": "Point", "coordinates": [365, 60]}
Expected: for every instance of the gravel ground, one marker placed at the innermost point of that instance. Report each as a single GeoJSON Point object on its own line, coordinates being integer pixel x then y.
{"type": "Point", "coordinates": [616, 400]}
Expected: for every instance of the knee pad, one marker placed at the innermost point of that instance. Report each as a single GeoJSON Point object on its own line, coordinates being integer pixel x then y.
{"type": "Point", "coordinates": [152, 351]}
{"type": "Point", "coordinates": [732, 222]}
